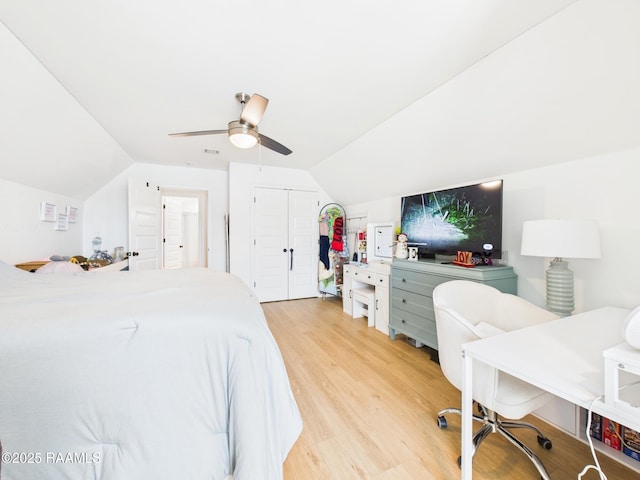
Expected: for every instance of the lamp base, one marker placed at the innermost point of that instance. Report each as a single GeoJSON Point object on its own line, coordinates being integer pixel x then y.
{"type": "Point", "coordinates": [560, 288]}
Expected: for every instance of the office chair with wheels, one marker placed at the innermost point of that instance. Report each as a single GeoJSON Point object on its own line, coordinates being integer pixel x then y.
{"type": "Point", "coordinates": [466, 311]}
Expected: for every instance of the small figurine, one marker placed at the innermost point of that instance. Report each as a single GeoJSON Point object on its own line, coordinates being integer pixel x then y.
{"type": "Point", "coordinates": [402, 250]}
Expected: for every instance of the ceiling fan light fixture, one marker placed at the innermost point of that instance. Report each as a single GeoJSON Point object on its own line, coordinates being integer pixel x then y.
{"type": "Point", "coordinates": [242, 135]}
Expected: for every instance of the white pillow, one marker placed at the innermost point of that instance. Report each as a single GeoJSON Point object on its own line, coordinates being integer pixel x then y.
{"type": "Point", "coordinates": [53, 267]}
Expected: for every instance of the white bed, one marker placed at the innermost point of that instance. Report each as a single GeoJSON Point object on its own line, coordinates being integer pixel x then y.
{"type": "Point", "coordinates": [168, 374]}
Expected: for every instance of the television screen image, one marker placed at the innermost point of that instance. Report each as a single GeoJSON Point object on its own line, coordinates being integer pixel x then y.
{"type": "Point", "coordinates": [467, 218]}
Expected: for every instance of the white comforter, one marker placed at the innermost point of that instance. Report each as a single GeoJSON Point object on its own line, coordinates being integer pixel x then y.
{"type": "Point", "coordinates": [140, 375]}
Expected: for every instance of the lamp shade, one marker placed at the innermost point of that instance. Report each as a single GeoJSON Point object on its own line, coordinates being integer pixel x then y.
{"type": "Point", "coordinates": [561, 238]}
{"type": "Point", "coordinates": [242, 135]}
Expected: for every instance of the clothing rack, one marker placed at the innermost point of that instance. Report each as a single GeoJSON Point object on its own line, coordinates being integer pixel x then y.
{"type": "Point", "coordinates": [334, 251]}
{"type": "Point", "coordinates": [352, 228]}
{"type": "Point", "coordinates": [355, 224]}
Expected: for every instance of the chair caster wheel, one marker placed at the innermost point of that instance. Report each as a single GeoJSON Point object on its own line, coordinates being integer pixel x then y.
{"type": "Point", "coordinates": [544, 443]}
{"type": "Point", "coordinates": [442, 422]}
{"type": "Point", "coordinates": [460, 461]}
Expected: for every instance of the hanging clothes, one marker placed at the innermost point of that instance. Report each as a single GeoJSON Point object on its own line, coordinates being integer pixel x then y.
{"type": "Point", "coordinates": [333, 248]}
{"type": "Point", "coordinates": [324, 251]}
{"type": "Point", "coordinates": [337, 242]}
{"type": "Point", "coordinates": [324, 241]}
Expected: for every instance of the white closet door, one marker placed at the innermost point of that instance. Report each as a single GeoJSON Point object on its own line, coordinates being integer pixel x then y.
{"type": "Point", "coordinates": [271, 244]}
{"type": "Point", "coordinates": [303, 244]}
{"type": "Point", "coordinates": [286, 244]}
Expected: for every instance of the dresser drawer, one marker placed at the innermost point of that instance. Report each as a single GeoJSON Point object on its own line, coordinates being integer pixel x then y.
{"type": "Point", "coordinates": [401, 317]}
{"type": "Point", "coordinates": [381, 279]}
{"type": "Point", "coordinates": [366, 276]}
{"type": "Point", "coordinates": [412, 302]}
{"type": "Point", "coordinates": [417, 282]}
{"type": "Point", "coordinates": [421, 329]}
{"type": "Point", "coordinates": [373, 278]}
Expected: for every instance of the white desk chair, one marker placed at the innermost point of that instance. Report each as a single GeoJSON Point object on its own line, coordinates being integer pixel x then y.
{"type": "Point", "coordinates": [466, 311]}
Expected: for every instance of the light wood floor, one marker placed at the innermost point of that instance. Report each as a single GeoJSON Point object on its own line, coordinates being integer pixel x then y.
{"type": "Point", "coordinates": [369, 408]}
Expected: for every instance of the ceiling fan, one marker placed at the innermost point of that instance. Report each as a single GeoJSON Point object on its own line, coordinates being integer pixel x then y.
{"type": "Point", "coordinates": [243, 133]}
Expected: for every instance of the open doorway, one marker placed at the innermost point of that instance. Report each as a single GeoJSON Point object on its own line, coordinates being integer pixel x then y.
{"type": "Point", "coordinates": [184, 228]}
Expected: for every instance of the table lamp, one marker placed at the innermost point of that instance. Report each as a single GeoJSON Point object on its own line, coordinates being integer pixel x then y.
{"type": "Point", "coordinates": [560, 239]}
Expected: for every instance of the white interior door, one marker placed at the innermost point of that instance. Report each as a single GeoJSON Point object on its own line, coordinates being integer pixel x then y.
{"type": "Point", "coordinates": [190, 239]}
{"type": "Point", "coordinates": [285, 244]}
{"type": "Point", "coordinates": [303, 244]}
{"type": "Point", "coordinates": [271, 244]}
{"type": "Point", "coordinates": [172, 242]}
{"type": "Point", "coordinates": [145, 225]}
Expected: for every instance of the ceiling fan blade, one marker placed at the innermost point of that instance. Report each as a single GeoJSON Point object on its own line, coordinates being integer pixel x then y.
{"type": "Point", "coordinates": [202, 132]}
{"type": "Point", "coordinates": [254, 109]}
{"type": "Point", "coordinates": [273, 145]}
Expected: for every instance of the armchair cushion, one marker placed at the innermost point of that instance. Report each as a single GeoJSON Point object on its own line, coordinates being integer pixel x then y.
{"type": "Point", "coordinates": [484, 330]}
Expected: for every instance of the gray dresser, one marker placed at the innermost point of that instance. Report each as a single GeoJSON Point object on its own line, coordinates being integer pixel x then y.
{"type": "Point", "coordinates": [412, 285]}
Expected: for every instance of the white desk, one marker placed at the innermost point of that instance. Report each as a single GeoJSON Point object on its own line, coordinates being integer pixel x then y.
{"type": "Point", "coordinates": [564, 357]}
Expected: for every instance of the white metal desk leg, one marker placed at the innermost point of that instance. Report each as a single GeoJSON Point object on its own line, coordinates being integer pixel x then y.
{"type": "Point", "coordinates": [467, 416]}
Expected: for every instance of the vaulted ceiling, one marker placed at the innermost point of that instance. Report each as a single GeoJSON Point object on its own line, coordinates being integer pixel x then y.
{"type": "Point", "coordinates": [87, 87]}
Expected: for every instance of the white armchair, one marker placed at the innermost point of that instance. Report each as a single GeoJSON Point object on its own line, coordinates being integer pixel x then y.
{"type": "Point", "coordinates": [466, 311]}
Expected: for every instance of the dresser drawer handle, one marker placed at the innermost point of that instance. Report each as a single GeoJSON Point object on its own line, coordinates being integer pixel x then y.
{"type": "Point", "coordinates": [404, 280]}
{"type": "Point", "coordinates": [403, 321]}
{"type": "Point", "coordinates": [404, 301]}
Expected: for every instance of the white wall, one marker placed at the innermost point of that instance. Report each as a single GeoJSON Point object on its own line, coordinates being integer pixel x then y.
{"type": "Point", "coordinates": [23, 237]}
{"type": "Point", "coordinates": [243, 178]}
{"type": "Point", "coordinates": [106, 211]}
{"type": "Point", "coordinates": [566, 89]}
{"type": "Point", "coordinates": [601, 188]}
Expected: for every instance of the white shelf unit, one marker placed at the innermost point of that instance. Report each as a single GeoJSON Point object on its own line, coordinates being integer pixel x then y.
{"type": "Point", "coordinates": [621, 398]}
{"type": "Point", "coordinates": [600, 447]}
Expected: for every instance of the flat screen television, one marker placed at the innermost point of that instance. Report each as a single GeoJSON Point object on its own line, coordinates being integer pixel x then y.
{"type": "Point", "coordinates": [443, 222]}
